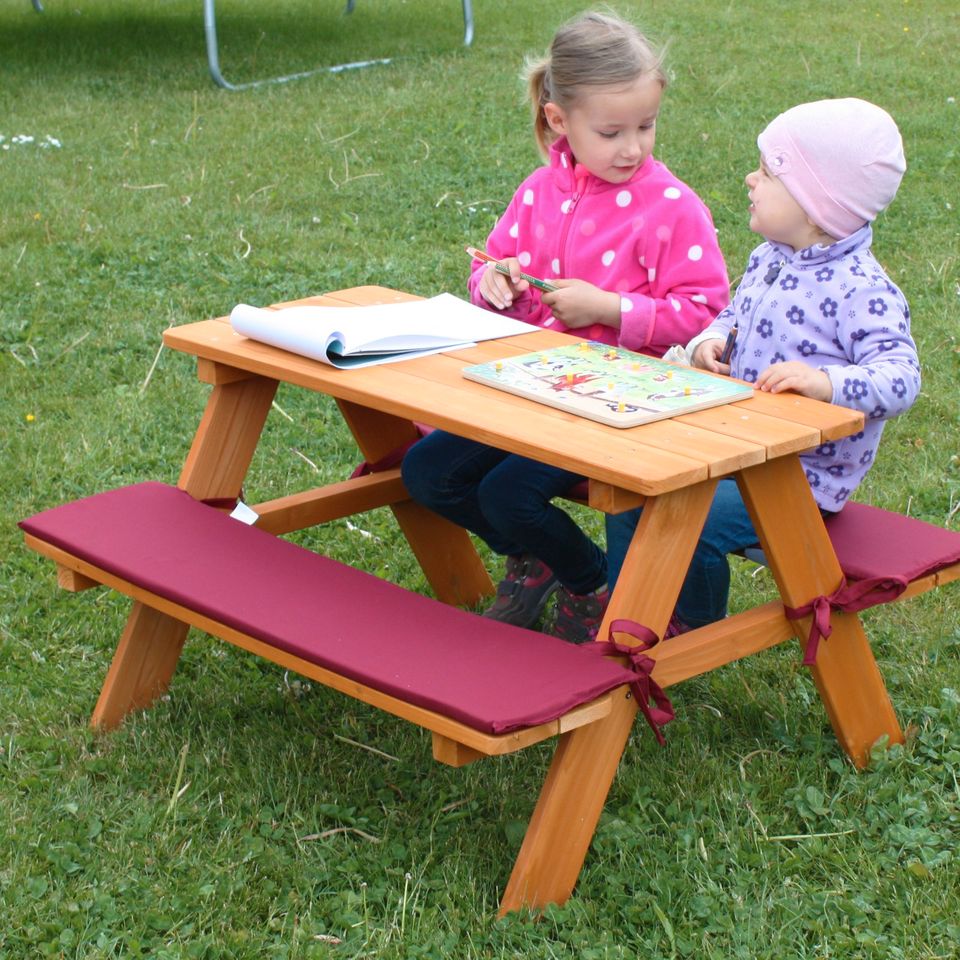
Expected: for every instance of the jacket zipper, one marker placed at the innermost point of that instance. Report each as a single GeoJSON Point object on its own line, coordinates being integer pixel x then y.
{"type": "Point", "coordinates": [578, 192]}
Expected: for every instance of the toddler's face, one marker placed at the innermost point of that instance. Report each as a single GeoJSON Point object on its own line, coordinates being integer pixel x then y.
{"type": "Point", "coordinates": [775, 214]}
{"type": "Point", "coordinates": [611, 130]}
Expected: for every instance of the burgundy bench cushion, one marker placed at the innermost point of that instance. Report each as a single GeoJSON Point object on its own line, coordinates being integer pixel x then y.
{"type": "Point", "coordinates": [870, 542]}
{"type": "Point", "coordinates": [490, 676]}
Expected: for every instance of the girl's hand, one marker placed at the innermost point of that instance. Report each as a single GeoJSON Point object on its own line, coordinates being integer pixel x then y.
{"type": "Point", "coordinates": [707, 357]}
{"type": "Point", "coordinates": [576, 303]}
{"type": "Point", "coordinates": [795, 375]}
{"type": "Point", "coordinates": [498, 289]}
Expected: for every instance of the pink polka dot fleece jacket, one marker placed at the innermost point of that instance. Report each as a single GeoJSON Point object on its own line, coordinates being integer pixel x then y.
{"type": "Point", "coordinates": [650, 239]}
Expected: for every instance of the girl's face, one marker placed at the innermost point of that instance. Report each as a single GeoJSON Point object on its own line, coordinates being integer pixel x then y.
{"type": "Point", "coordinates": [611, 130]}
{"type": "Point", "coordinates": [774, 213]}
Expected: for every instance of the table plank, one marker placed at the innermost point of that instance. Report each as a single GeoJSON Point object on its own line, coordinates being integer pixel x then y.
{"type": "Point", "coordinates": [404, 390]}
{"type": "Point", "coordinates": [720, 453]}
{"type": "Point", "coordinates": [673, 453]}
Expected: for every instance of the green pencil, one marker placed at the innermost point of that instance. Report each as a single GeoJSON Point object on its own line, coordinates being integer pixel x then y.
{"type": "Point", "coordinates": [502, 268]}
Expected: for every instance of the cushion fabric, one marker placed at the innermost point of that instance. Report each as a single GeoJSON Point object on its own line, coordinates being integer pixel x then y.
{"type": "Point", "coordinates": [870, 543]}
{"type": "Point", "coordinates": [491, 676]}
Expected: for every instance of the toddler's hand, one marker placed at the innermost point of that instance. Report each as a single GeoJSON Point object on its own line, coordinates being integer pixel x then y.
{"type": "Point", "coordinates": [576, 303]}
{"type": "Point", "coordinates": [797, 376]}
{"type": "Point", "coordinates": [498, 289]}
{"type": "Point", "coordinates": [707, 357]}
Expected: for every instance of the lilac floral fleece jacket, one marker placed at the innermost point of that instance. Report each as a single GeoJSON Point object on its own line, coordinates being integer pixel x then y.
{"type": "Point", "coordinates": [833, 308]}
{"type": "Point", "coordinates": [650, 239]}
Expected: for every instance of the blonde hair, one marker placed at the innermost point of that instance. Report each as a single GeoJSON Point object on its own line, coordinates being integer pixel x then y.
{"type": "Point", "coordinates": [593, 50]}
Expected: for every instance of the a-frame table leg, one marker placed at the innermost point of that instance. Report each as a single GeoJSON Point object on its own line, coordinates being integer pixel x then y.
{"type": "Point", "coordinates": [150, 645]}
{"type": "Point", "coordinates": [805, 566]}
{"type": "Point", "coordinates": [576, 787]}
{"type": "Point", "coordinates": [445, 552]}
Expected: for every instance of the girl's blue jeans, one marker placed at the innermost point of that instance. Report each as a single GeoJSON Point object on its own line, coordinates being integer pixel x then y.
{"type": "Point", "coordinates": [728, 528]}
{"type": "Point", "coordinates": [506, 500]}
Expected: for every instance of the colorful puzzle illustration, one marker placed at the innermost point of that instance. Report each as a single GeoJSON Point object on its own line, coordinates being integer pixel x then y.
{"type": "Point", "coordinates": [609, 384]}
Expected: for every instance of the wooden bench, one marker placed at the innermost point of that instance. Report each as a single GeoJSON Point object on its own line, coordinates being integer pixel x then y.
{"type": "Point", "coordinates": [480, 687]}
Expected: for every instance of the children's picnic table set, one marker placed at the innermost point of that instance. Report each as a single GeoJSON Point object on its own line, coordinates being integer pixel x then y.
{"type": "Point", "coordinates": [483, 688]}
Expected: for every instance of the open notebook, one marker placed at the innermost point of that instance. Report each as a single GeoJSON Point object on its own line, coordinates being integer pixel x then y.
{"type": "Point", "coordinates": [609, 384]}
{"type": "Point", "coordinates": [377, 333]}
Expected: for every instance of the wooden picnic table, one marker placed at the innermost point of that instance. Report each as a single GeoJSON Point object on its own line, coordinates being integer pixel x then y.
{"type": "Point", "coordinates": [672, 466]}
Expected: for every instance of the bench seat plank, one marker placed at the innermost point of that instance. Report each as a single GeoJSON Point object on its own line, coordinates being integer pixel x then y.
{"type": "Point", "coordinates": [490, 676]}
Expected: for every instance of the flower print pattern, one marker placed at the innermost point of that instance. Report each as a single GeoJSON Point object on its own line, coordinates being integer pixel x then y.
{"type": "Point", "coordinates": [854, 389]}
{"type": "Point", "coordinates": [833, 308]}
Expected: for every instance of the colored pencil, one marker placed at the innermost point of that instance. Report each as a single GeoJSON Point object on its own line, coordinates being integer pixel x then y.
{"type": "Point", "coordinates": [728, 346]}
{"type": "Point", "coordinates": [501, 268]}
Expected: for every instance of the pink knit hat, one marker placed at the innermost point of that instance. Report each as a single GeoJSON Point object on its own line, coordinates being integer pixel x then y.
{"type": "Point", "coordinates": [841, 160]}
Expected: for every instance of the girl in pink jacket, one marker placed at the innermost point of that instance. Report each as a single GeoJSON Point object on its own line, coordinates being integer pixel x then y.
{"type": "Point", "coordinates": [633, 254]}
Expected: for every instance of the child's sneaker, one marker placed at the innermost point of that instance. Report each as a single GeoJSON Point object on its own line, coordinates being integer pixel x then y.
{"type": "Point", "coordinates": [523, 592]}
{"type": "Point", "coordinates": [577, 617]}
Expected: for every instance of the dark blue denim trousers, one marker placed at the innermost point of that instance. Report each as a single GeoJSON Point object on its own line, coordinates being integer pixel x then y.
{"type": "Point", "coordinates": [506, 500]}
{"type": "Point", "coordinates": [728, 528]}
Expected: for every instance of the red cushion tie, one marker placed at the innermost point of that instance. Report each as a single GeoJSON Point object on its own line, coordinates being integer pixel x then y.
{"type": "Point", "coordinates": [644, 687]}
{"type": "Point", "coordinates": [391, 459]}
{"type": "Point", "coordinates": [223, 503]}
{"type": "Point", "coordinates": [849, 597]}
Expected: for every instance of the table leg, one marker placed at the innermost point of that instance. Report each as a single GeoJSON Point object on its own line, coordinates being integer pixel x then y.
{"type": "Point", "coordinates": [444, 551]}
{"type": "Point", "coordinates": [227, 438]}
{"type": "Point", "coordinates": [804, 566]}
{"type": "Point", "coordinates": [142, 665]}
{"type": "Point", "coordinates": [575, 790]}
{"type": "Point", "coordinates": [216, 465]}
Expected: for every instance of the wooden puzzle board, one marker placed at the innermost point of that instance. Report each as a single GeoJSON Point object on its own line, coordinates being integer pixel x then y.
{"type": "Point", "coordinates": [610, 384]}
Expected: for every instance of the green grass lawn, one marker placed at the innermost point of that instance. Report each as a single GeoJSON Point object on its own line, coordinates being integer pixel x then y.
{"type": "Point", "coordinates": [244, 816]}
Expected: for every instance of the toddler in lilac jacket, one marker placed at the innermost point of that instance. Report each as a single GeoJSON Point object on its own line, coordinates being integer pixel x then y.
{"type": "Point", "coordinates": [633, 255]}
{"type": "Point", "coordinates": [815, 313]}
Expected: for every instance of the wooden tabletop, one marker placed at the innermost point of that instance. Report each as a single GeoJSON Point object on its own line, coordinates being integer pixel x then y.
{"type": "Point", "coordinates": [649, 459]}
